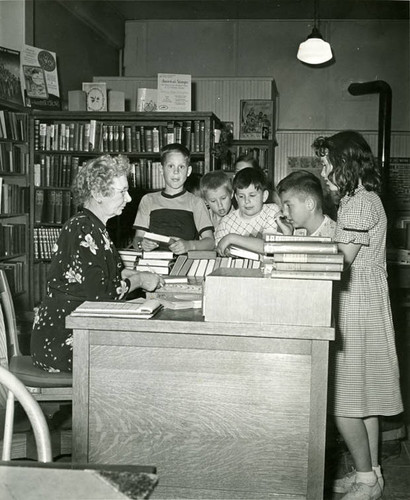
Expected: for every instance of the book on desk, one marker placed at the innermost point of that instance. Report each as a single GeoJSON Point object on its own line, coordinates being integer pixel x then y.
{"type": "Point", "coordinates": [119, 309]}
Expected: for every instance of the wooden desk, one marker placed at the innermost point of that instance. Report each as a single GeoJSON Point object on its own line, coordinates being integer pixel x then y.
{"type": "Point", "coordinates": [49, 481]}
{"type": "Point", "coordinates": [223, 410]}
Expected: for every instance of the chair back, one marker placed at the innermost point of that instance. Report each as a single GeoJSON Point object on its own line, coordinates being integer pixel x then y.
{"type": "Point", "coordinates": [4, 358]}
{"type": "Point", "coordinates": [34, 413]}
{"type": "Point", "coordinates": [7, 305]}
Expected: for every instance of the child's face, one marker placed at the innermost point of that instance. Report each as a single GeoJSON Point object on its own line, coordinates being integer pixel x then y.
{"type": "Point", "coordinates": [250, 200]}
{"type": "Point", "coordinates": [219, 200]}
{"type": "Point", "coordinates": [175, 171]}
{"type": "Point", "coordinates": [294, 208]}
{"type": "Point", "coordinates": [327, 169]}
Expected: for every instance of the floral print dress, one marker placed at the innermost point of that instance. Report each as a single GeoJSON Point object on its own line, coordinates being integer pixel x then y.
{"type": "Point", "coordinates": [85, 266]}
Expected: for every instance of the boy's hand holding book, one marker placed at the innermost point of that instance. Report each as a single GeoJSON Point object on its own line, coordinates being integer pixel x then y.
{"type": "Point", "coordinates": [179, 246]}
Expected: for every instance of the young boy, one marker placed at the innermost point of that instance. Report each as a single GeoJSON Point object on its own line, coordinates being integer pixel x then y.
{"type": "Point", "coordinates": [216, 190]}
{"type": "Point", "coordinates": [245, 226]}
{"type": "Point", "coordinates": [301, 196]}
{"type": "Point", "coordinates": [174, 212]}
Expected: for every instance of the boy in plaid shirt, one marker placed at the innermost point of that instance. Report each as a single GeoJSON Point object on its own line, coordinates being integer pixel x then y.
{"type": "Point", "coordinates": [245, 226]}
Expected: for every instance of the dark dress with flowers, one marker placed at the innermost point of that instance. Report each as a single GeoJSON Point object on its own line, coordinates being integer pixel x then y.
{"type": "Point", "coordinates": [85, 266]}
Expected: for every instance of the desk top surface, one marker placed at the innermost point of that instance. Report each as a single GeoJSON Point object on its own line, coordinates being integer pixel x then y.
{"type": "Point", "coordinates": [191, 321]}
{"type": "Point", "coordinates": [19, 483]}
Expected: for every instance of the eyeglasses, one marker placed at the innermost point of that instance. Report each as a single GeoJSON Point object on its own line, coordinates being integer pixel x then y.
{"type": "Point", "coordinates": [123, 192]}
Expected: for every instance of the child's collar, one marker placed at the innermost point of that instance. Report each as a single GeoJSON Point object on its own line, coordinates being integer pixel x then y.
{"type": "Point", "coordinates": [171, 196]}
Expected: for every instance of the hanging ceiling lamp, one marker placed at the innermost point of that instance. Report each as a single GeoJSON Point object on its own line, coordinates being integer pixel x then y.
{"type": "Point", "coordinates": [314, 50]}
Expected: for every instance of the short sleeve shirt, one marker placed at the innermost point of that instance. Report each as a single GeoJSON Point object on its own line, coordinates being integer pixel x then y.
{"type": "Point", "coordinates": [182, 215]}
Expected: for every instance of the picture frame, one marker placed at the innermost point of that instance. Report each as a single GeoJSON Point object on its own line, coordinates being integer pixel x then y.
{"type": "Point", "coordinates": [256, 119]}
{"type": "Point", "coordinates": [35, 82]}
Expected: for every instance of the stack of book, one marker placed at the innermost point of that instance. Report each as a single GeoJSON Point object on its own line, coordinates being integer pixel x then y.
{"type": "Point", "coordinates": [302, 257]}
{"type": "Point", "coordinates": [129, 257]}
{"type": "Point", "coordinates": [157, 261]}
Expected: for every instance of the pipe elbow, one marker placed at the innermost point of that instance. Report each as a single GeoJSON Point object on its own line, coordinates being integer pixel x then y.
{"type": "Point", "coordinates": [374, 87]}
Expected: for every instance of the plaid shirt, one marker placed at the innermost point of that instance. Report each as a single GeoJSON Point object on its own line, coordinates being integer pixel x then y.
{"type": "Point", "coordinates": [256, 226]}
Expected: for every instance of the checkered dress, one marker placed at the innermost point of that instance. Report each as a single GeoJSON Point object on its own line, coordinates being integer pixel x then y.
{"type": "Point", "coordinates": [363, 371]}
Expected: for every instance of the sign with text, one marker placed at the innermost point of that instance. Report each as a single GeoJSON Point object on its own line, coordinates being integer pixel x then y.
{"type": "Point", "coordinates": [174, 92]}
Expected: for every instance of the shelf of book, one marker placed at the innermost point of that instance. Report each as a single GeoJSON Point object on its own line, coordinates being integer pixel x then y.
{"type": "Point", "coordinates": [14, 200]}
{"type": "Point", "coordinates": [62, 141]}
{"type": "Point", "coordinates": [262, 150]}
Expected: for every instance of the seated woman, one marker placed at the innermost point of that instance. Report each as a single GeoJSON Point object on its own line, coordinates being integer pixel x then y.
{"type": "Point", "coordinates": [85, 263]}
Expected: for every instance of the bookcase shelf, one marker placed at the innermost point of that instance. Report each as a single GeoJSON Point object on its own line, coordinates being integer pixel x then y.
{"type": "Point", "coordinates": [62, 140]}
{"type": "Point", "coordinates": [14, 200]}
{"type": "Point", "coordinates": [262, 150]}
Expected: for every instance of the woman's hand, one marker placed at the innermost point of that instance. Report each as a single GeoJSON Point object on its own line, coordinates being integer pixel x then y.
{"type": "Point", "coordinates": [149, 281]}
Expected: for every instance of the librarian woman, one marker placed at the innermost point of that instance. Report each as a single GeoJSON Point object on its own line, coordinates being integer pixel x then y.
{"type": "Point", "coordinates": [85, 263]}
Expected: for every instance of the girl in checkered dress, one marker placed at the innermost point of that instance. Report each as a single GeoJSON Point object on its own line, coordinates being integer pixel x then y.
{"type": "Point", "coordinates": [364, 375]}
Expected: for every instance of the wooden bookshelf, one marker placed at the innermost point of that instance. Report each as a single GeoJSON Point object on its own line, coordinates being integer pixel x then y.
{"type": "Point", "coordinates": [14, 201]}
{"type": "Point", "coordinates": [62, 141]}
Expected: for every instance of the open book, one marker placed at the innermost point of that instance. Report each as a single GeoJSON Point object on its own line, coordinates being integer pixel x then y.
{"type": "Point", "coordinates": [119, 309]}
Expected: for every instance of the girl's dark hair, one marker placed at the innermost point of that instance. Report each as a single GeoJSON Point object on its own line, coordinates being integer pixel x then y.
{"type": "Point", "coordinates": [247, 176]}
{"type": "Point", "coordinates": [352, 161]}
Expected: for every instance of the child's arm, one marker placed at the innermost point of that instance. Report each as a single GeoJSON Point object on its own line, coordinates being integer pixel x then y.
{"type": "Point", "coordinates": [206, 242]}
{"type": "Point", "coordinates": [350, 251]}
{"type": "Point", "coordinates": [248, 242]}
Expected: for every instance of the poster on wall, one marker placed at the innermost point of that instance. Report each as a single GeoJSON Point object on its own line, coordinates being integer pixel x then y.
{"type": "Point", "coordinates": [256, 119]}
{"type": "Point", "coordinates": [10, 81]}
{"type": "Point", "coordinates": [39, 68]}
{"type": "Point", "coordinates": [174, 92]}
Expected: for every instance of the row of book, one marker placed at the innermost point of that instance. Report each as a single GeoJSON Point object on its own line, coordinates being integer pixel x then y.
{"type": "Point", "coordinates": [97, 136]}
{"type": "Point", "coordinates": [14, 199]}
{"type": "Point", "coordinates": [40, 272]}
{"type": "Point", "coordinates": [14, 158]}
{"type": "Point", "coordinates": [260, 154]}
{"type": "Point", "coordinates": [15, 271]}
{"type": "Point", "coordinates": [52, 206]}
{"type": "Point", "coordinates": [13, 125]}
{"type": "Point", "coordinates": [12, 239]}
{"type": "Point", "coordinates": [44, 239]}
{"type": "Point", "coordinates": [55, 170]}
{"type": "Point", "coordinates": [146, 174]}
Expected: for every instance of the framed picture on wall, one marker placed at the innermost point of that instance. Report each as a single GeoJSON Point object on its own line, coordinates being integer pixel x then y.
{"type": "Point", "coordinates": [256, 119]}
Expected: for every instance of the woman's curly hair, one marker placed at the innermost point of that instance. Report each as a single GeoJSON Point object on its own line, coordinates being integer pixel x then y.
{"type": "Point", "coordinates": [96, 176]}
{"type": "Point", "coordinates": [352, 161]}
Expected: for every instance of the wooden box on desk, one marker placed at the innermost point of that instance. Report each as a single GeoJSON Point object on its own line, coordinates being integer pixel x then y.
{"type": "Point", "coordinates": [246, 296]}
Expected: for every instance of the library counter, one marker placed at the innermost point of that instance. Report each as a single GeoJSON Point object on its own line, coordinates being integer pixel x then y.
{"type": "Point", "coordinates": [222, 410]}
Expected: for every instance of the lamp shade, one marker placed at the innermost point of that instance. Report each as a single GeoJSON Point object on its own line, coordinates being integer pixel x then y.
{"type": "Point", "coordinates": [314, 50]}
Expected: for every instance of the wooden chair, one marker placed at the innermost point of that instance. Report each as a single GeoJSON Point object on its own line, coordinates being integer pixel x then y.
{"type": "Point", "coordinates": [43, 386]}
{"type": "Point", "coordinates": [16, 389]}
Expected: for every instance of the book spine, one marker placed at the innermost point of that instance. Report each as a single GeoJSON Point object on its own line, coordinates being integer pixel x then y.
{"type": "Point", "coordinates": [155, 140]}
{"type": "Point", "coordinates": [306, 275]}
{"type": "Point", "coordinates": [38, 205]}
{"type": "Point", "coordinates": [308, 266]}
{"type": "Point", "coordinates": [301, 247]}
{"type": "Point", "coordinates": [269, 237]}
{"type": "Point", "coordinates": [197, 143]}
{"type": "Point", "coordinates": [305, 257]}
